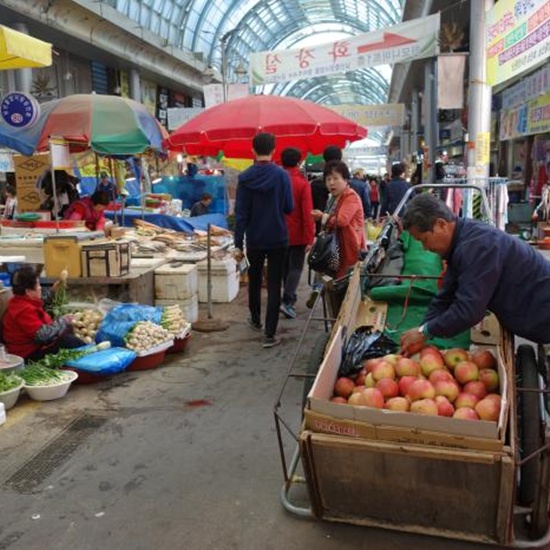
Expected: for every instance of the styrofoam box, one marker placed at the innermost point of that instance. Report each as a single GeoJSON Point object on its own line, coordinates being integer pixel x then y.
{"type": "Point", "coordinates": [189, 307]}
{"type": "Point", "coordinates": [176, 281]}
{"type": "Point", "coordinates": [225, 280]}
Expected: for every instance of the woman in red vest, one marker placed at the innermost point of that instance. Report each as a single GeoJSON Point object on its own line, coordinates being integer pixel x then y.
{"type": "Point", "coordinates": [91, 210]}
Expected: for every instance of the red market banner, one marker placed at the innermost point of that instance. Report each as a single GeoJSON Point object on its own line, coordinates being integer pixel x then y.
{"type": "Point", "coordinates": [404, 42]}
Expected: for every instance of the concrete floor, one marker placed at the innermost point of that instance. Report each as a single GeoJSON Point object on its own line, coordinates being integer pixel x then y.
{"type": "Point", "coordinates": [181, 457]}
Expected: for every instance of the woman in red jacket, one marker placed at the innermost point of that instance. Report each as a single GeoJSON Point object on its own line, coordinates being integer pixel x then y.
{"type": "Point", "coordinates": [344, 214]}
{"type": "Point", "coordinates": [28, 330]}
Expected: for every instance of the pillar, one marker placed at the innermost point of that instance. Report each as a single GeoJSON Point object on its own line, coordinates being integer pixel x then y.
{"type": "Point", "coordinates": [135, 85]}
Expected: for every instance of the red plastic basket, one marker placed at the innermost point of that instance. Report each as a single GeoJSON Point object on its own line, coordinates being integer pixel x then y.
{"type": "Point", "coordinates": [88, 378]}
{"type": "Point", "coordinates": [145, 362]}
{"type": "Point", "coordinates": [179, 344]}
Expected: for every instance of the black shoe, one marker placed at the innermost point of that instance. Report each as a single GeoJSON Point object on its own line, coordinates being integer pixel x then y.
{"type": "Point", "coordinates": [312, 299]}
{"type": "Point", "coordinates": [271, 342]}
{"type": "Point", "coordinates": [254, 325]}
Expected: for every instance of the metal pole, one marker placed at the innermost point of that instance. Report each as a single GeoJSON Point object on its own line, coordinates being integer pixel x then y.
{"type": "Point", "coordinates": [223, 41]}
{"type": "Point", "coordinates": [54, 188]}
{"type": "Point", "coordinates": [430, 113]}
{"type": "Point", "coordinates": [209, 272]}
{"type": "Point", "coordinates": [479, 113]}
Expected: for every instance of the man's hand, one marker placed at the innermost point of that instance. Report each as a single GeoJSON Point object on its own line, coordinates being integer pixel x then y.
{"type": "Point", "coordinates": [238, 254]}
{"type": "Point", "coordinates": [412, 341]}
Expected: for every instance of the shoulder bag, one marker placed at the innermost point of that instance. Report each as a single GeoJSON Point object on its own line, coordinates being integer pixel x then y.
{"type": "Point", "coordinates": [324, 256]}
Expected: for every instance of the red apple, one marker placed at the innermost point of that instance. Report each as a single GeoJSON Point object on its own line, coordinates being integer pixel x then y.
{"type": "Point", "coordinates": [373, 397]}
{"type": "Point", "coordinates": [360, 377]}
{"type": "Point", "coordinates": [338, 399]}
{"type": "Point", "coordinates": [440, 374]}
{"type": "Point", "coordinates": [490, 379]}
{"type": "Point", "coordinates": [429, 349]}
{"type": "Point", "coordinates": [466, 371]}
{"type": "Point", "coordinates": [344, 387]}
{"type": "Point", "coordinates": [391, 358]}
{"type": "Point", "coordinates": [477, 388]}
{"type": "Point", "coordinates": [369, 363]}
{"type": "Point", "coordinates": [495, 396]}
{"type": "Point", "coordinates": [383, 369]}
{"type": "Point", "coordinates": [404, 384]}
{"type": "Point", "coordinates": [444, 407]}
{"type": "Point", "coordinates": [430, 362]}
{"type": "Point", "coordinates": [397, 404]}
{"type": "Point", "coordinates": [388, 387]}
{"type": "Point", "coordinates": [424, 406]}
{"type": "Point", "coordinates": [420, 389]}
{"type": "Point", "coordinates": [406, 367]}
{"type": "Point", "coordinates": [358, 389]}
{"type": "Point", "coordinates": [447, 388]}
{"type": "Point", "coordinates": [465, 400]}
{"type": "Point", "coordinates": [356, 399]}
{"type": "Point", "coordinates": [454, 356]}
{"type": "Point", "coordinates": [484, 359]}
{"type": "Point", "coordinates": [488, 409]}
{"type": "Point", "coordinates": [466, 413]}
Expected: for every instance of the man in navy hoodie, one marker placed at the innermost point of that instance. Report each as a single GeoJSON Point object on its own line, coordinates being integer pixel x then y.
{"type": "Point", "coordinates": [395, 189]}
{"type": "Point", "coordinates": [264, 196]}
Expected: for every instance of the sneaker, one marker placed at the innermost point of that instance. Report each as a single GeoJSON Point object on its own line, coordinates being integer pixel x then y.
{"type": "Point", "coordinates": [288, 311]}
{"type": "Point", "coordinates": [312, 299]}
{"type": "Point", "coordinates": [271, 342]}
{"type": "Point", "coordinates": [254, 325]}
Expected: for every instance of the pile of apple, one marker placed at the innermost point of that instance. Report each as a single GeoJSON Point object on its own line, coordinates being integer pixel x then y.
{"type": "Point", "coordinates": [450, 382]}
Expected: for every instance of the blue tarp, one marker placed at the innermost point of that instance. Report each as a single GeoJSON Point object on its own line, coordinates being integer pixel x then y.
{"type": "Point", "coordinates": [167, 221]}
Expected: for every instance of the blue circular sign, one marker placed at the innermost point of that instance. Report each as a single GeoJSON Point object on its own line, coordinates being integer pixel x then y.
{"type": "Point", "coordinates": [19, 110]}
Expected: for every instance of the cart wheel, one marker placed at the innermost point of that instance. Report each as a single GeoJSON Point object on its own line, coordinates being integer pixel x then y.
{"type": "Point", "coordinates": [529, 423]}
{"type": "Point", "coordinates": [540, 519]}
{"type": "Point", "coordinates": [315, 360]}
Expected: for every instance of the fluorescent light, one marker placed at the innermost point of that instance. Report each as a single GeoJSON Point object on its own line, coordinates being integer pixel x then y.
{"type": "Point", "coordinates": [157, 180]}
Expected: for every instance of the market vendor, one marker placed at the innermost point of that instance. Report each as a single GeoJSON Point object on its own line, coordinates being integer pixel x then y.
{"type": "Point", "coordinates": [91, 210]}
{"type": "Point", "coordinates": [106, 185]}
{"type": "Point", "coordinates": [28, 330]}
{"type": "Point", "coordinates": [487, 269]}
{"type": "Point", "coordinates": [201, 207]}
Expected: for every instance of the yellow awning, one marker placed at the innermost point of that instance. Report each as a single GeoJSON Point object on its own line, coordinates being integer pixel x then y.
{"type": "Point", "coordinates": [18, 50]}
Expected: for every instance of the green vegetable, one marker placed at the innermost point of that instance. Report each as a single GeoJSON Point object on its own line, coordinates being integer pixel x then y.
{"type": "Point", "coordinates": [8, 381]}
{"type": "Point", "coordinates": [37, 375]}
{"type": "Point", "coordinates": [56, 360]}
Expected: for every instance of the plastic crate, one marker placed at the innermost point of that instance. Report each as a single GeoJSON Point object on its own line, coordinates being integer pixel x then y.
{"type": "Point", "coordinates": [146, 362]}
{"type": "Point", "coordinates": [85, 378]}
{"type": "Point", "coordinates": [179, 344]}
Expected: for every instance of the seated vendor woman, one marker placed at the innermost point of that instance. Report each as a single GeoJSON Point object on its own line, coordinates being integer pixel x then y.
{"type": "Point", "coordinates": [28, 329]}
{"type": "Point", "coordinates": [91, 210]}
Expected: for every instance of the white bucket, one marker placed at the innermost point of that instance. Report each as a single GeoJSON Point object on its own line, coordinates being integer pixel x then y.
{"type": "Point", "coordinates": [2, 413]}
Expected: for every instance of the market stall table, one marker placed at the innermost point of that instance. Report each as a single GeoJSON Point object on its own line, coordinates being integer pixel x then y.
{"type": "Point", "coordinates": [167, 221]}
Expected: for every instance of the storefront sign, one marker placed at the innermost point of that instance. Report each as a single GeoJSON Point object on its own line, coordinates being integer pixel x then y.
{"type": "Point", "coordinates": [373, 116]}
{"type": "Point", "coordinates": [19, 110]}
{"type": "Point", "coordinates": [374, 151]}
{"type": "Point", "coordinates": [529, 87]}
{"type": "Point", "coordinates": [517, 37]}
{"type": "Point", "coordinates": [411, 40]}
{"type": "Point", "coordinates": [530, 118]}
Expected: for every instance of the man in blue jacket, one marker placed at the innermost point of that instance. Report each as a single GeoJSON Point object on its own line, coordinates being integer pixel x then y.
{"type": "Point", "coordinates": [487, 269]}
{"type": "Point", "coordinates": [395, 189]}
{"type": "Point", "coordinates": [264, 196]}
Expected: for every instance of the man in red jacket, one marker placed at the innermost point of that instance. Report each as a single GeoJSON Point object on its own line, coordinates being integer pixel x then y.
{"type": "Point", "coordinates": [301, 230]}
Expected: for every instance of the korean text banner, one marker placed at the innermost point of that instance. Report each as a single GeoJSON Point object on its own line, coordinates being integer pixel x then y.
{"type": "Point", "coordinates": [411, 40]}
{"type": "Point", "coordinates": [373, 116]}
{"type": "Point", "coordinates": [517, 37]}
{"type": "Point", "coordinates": [527, 119]}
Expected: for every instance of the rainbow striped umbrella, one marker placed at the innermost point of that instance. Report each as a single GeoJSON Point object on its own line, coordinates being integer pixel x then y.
{"type": "Point", "coordinates": [108, 125]}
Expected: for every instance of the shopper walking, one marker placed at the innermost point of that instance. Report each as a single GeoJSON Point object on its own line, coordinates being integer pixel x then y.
{"type": "Point", "coordinates": [359, 185]}
{"type": "Point", "coordinates": [395, 190]}
{"type": "Point", "coordinates": [264, 196]}
{"type": "Point", "coordinates": [374, 198]}
{"type": "Point", "coordinates": [301, 230]}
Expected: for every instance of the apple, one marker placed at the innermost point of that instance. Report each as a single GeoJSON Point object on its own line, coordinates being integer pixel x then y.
{"type": "Point", "coordinates": [476, 387]}
{"type": "Point", "coordinates": [454, 356]}
{"type": "Point", "coordinates": [484, 359]}
{"type": "Point", "coordinates": [360, 377]}
{"type": "Point", "coordinates": [448, 389]}
{"type": "Point", "coordinates": [406, 367]}
{"type": "Point", "coordinates": [359, 388]}
{"type": "Point", "coordinates": [338, 399]}
{"type": "Point", "coordinates": [466, 413]}
{"type": "Point", "coordinates": [356, 399]}
{"type": "Point", "coordinates": [404, 384]}
{"type": "Point", "coordinates": [429, 349]}
{"type": "Point", "coordinates": [344, 387]}
{"type": "Point", "coordinates": [424, 406]}
{"type": "Point", "coordinates": [388, 387]}
{"type": "Point", "coordinates": [383, 369]}
{"type": "Point", "coordinates": [372, 397]}
{"type": "Point", "coordinates": [444, 406]}
{"type": "Point", "coordinates": [440, 374]}
{"type": "Point", "coordinates": [466, 371]}
{"type": "Point", "coordinates": [465, 400]}
{"type": "Point", "coordinates": [397, 404]}
{"type": "Point", "coordinates": [495, 396]}
{"type": "Point", "coordinates": [490, 379]}
{"type": "Point", "coordinates": [430, 362]}
{"type": "Point", "coordinates": [369, 363]}
{"type": "Point", "coordinates": [369, 381]}
{"type": "Point", "coordinates": [420, 389]}
{"type": "Point", "coordinates": [488, 409]}
{"type": "Point", "coordinates": [391, 358]}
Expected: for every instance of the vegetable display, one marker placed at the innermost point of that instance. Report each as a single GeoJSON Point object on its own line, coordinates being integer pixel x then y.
{"type": "Point", "coordinates": [59, 296]}
{"type": "Point", "coordinates": [173, 320]}
{"type": "Point", "coordinates": [56, 360]}
{"type": "Point", "coordinates": [8, 381]}
{"type": "Point", "coordinates": [146, 335]}
{"type": "Point", "coordinates": [86, 324]}
{"type": "Point", "coordinates": [37, 375]}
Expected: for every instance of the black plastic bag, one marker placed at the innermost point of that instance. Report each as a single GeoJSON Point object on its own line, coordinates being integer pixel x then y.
{"type": "Point", "coordinates": [364, 343]}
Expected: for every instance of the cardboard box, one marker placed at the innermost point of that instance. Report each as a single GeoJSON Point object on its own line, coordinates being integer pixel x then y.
{"type": "Point", "coordinates": [63, 252]}
{"type": "Point", "coordinates": [341, 415]}
{"type": "Point", "coordinates": [106, 259]}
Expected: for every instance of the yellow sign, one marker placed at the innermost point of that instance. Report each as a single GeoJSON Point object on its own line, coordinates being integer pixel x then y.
{"type": "Point", "coordinates": [517, 37]}
{"type": "Point", "coordinates": [483, 148]}
{"type": "Point", "coordinates": [526, 119]}
{"type": "Point", "coordinates": [27, 172]}
{"type": "Point", "coordinates": [371, 116]}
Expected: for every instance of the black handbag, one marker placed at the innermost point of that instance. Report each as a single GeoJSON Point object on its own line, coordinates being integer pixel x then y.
{"type": "Point", "coordinates": [324, 256]}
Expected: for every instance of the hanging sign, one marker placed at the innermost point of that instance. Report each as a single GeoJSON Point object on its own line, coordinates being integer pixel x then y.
{"type": "Point", "coordinates": [373, 116]}
{"type": "Point", "coordinates": [517, 37]}
{"type": "Point", "coordinates": [19, 110]}
{"type": "Point", "coordinates": [411, 40]}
